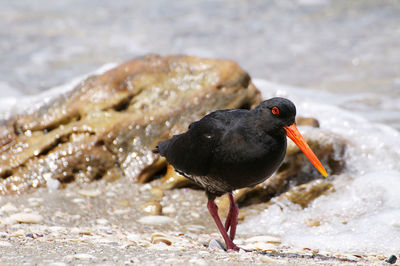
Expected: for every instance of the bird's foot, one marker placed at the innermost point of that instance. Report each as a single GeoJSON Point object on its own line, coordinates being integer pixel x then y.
{"type": "Point", "coordinates": [236, 248]}
{"type": "Point", "coordinates": [233, 248]}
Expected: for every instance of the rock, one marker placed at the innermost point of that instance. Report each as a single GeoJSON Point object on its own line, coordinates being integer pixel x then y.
{"type": "Point", "coordinates": [307, 121]}
{"type": "Point", "coordinates": [173, 179]}
{"type": "Point", "coordinates": [305, 193]}
{"type": "Point", "coordinates": [153, 208]}
{"type": "Point", "coordinates": [392, 259]}
{"type": "Point", "coordinates": [155, 220]}
{"type": "Point", "coordinates": [107, 126]}
{"type": "Point", "coordinates": [28, 218]}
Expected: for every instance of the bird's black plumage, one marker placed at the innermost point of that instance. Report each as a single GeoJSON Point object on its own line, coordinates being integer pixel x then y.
{"type": "Point", "coordinates": [231, 149]}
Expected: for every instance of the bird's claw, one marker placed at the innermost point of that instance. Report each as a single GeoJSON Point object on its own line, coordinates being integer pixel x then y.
{"type": "Point", "coordinates": [236, 248]}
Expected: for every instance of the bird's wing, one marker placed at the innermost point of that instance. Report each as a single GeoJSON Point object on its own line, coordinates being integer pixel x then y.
{"type": "Point", "coordinates": [192, 152]}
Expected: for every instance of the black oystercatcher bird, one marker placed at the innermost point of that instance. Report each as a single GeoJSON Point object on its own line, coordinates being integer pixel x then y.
{"type": "Point", "coordinates": [232, 149]}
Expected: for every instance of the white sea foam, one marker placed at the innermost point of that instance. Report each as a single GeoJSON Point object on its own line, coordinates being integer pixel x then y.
{"type": "Point", "coordinates": [363, 215]}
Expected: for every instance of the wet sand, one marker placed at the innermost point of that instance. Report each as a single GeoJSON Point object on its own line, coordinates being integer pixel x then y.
{"type": "Point", "coordinates": [105, 223]}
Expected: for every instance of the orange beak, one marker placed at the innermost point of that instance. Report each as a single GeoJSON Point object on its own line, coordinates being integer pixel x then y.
{"type": "Point", "coordinates": [293, 133]}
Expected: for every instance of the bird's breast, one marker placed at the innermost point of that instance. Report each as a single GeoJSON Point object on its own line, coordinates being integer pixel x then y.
{"type": "Point", "coordinates": [247, 164]}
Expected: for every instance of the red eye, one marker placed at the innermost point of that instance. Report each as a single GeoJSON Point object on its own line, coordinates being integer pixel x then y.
{"type": "Point", "coordinates": [275, 110]}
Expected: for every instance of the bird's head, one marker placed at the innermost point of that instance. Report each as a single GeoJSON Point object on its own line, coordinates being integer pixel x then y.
{"type": "Point", "coordinates": [281, 113]}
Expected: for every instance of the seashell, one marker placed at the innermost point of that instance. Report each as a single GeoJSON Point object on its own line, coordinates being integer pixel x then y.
{"type": "Point", "coordinates": [28, 218]}
{"type": "Point", "coordinates": [157, 238]}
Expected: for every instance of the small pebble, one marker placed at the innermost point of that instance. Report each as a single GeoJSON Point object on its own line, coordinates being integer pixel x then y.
{"type": "Point", "coordinates": [152, 208]}
{"type": "Point", "coordinates": [121, 211]}
{"type": "Point", "coordinates": [133, 237]}
{"type": "Point", "coordinates": [102, 221]}
{"type": "Point", "coordinates": [265, 246]}
{"type": "Point", "coordinates": [123, 203]}
{"type": "Point", "coordinates": [5, 244]}
{"type": "Point", "coordinates": [392, 259]}
{"type": "Point", "coordinates": [215, 244]}
{"type": "Point", "coordinates": [89, 192]}
{"type": "Point", "coordinates": [52, 184]}
{"type": "Point", "coordinates": [169, 210]}
{"type": "Point", "coordinates": [265, 239]}
{"type": "Point", "coordinates": [9, 207]}
{"type": "Point", "coordinates": [35, 200]}
{"type": "Point", "coordinates": [195, 215]}
{"type": "Point", "coordinates": [30, 235]}
{"type": "Point", "coordinates": [312, 222]}
{"type": "Point", "coordinates": [155, 220]}
{"type": "Point", "coordinates": [145, 187]}
{"type": "Point", "coordinates": [83, 256]}
{"type": "Point", "coordinates": [197, 261]}
{"type": "Point", "coordinates": [172, 261]}
{"type": "Point", "coordinates": [195, 228]}
{"type": "Point", "coordinates": [110, 194]}
{"type": "Point", "coordinates": [266, 259]}
{"type": "Point", "coordinates": [78, 200]}
{"type": "Point", "coordinates": [29, 218]}
{"type": "Point", "coordinates": [157, 192]}
{"type": "Point", "coordinates": [57, 263]}
{"type": "Point", "coordinates": [75, 217]}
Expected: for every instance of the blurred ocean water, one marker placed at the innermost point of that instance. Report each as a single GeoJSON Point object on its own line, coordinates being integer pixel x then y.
{"type": "Point", "coordinates": [349, 48]}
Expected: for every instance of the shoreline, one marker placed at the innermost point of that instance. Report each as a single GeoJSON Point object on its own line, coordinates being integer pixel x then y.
{"type": "Point", "coordinates": [100, 223]}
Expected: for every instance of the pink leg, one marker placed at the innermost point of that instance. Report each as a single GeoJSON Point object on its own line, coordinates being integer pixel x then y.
{"type": "Point", "coordinates": [213, 209]}
{"type": "Point", "coordinates": [233, 213]}
{"type": "Point", "coordinates": [229, 217]}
